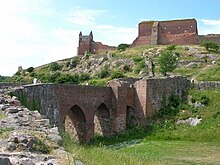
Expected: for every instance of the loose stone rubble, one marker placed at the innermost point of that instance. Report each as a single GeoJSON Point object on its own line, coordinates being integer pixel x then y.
{"type": "Point", "coordinates": [21, 130]}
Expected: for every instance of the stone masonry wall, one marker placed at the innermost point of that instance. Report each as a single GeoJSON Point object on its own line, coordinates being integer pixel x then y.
{"type": "Point", "coordinates": [41, 97]}
{"type": "Point", "coordinates": [157, 91]}
{"type": "Point", "coordinates": [210, 85]}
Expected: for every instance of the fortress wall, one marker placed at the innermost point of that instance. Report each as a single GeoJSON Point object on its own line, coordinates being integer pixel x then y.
{"type": "Point", "coordinates": [209, 37]}
{"type": "Point", "coordinates": [97, 47]}
{"type": "Point", "coordinates": [145, 28]}
{"type": "Point", "coordinates": [181, 32]}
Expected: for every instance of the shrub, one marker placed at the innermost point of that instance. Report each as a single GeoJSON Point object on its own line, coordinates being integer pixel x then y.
{"type": "Point", "coordinates": [53, 77]}
{"type": "Point", "coordinates": [84, 77]}
{"type": "Point", "coordinates": [98, 82]}
{"type": "Point", "coordinates": [117, 74]}
{"type": "Point", "coordinates": [171, 47]}
{"type": "Point", "coordinates": [68, 79]}
{"type": "Point", "coordinates": [167, 62]}
{"type": "Point", "coordinates": [74, 62]}
{"type": "Point", "coordinates": [138, 59]}
{"type": "Point", "coordinates": [103, 73]}
{"type": "Point", "coordinates": [39, 145]}
{"type": "Point", "coordinates": [141, 65]}
{"type": "Point", "coordinates": [122, 47]}
{"type": "Point", "coordinates": [210, 45]}
{"type": "Point", "coordinates": [54, 66]}
{"type": "Point", "coordinates": [30, 69]}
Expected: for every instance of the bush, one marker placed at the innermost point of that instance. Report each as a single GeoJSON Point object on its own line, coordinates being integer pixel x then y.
{"type": "Point", "coordinates": [103, 73]}
{"type": "Point", "coordinates": [84, 77]}
{"type": "Point", "coordinates": [122, 47]}
{"type": "Point", "coordinates": [54, 66]}
{"type": "Point", "coordinates": [53, 77]}
{"type": "Point", "coordinates": [30, 69]}
{"type": "Point", "coordinates": [171, 47]}
{"type": "Point", "coordinates": [117, 74]}
{"type": "Point", "coordinates": [167, 62]}
{"type": "Point", "coordinates": [209, 45]}
{"type": "Point", "coordinates": [68, 79]}
{"type": "Point", "coordinates": [141, 65]}
{"type": "Point", "coordinates": [138, 59]}
{"type": "Point", "coordinates": [74, 62]}
{"type": "Point", "coordinates": [98, 82]}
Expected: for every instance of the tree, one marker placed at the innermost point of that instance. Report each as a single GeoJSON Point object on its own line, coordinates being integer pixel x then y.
{"type": "Point", "coordinates": [122, 47]}
{"type": "Point", "coordinates": [30, 69]}
{"type": "Point", "coordinates": [167, 62]}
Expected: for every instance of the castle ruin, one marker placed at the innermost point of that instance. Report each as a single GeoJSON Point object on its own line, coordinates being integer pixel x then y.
{"type": "Point", "coordinates": [87, 44]}
{"type": "Point", "coordinates": [178, 32]}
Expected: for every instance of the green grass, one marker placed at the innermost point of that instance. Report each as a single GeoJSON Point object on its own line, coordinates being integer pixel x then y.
{"type": "Point", "coordinates": [175, 152]}
{"type": "Point", "coordinates": [186, 71]}
{"type": "Point", "coordinates": [4, 132]}
{"type": "Point", "coordinates": [2, 116]}
{"type": "Point", "coordinates": [211, 74]}
{"type": "Point", "coordinates": [163, 142]}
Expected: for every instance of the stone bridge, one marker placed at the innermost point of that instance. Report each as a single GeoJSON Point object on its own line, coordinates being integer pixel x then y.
{"type": "Point", "coordinates": [85, 111]}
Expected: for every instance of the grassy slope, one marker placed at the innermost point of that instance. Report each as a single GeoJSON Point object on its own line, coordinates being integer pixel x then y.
{"type": "Point", "coordinates": [165, 144]}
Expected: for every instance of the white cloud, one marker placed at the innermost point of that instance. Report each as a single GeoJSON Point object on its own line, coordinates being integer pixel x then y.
{"type": "Point", "coordinates": [209, 26]}
{"type": "Point", "coordinates": [86, 19]}
{"type": "Point", "coordinates": [82, 17]}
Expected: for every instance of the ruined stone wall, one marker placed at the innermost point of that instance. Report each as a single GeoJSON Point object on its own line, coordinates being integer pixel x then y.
{"type": "Point", "coordinates": [208, 85]}
{"type": "Point", "coordinates": [5, 85]}
{"type": "Point", "coordinates": [157, 91]}
{"type": "Point", "coordinates": [98, 47]}
{"type": "Point", "coordinates": [180, 32]}
{"type": "Point", "coordinates": [209, 37]}
{"type": "Point", "coordinates": [41, 97]}
{"type": "Point", "coordinates": [83, 47]}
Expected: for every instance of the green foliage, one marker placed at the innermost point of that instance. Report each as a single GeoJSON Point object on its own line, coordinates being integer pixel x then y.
{"type": "Point", "coordinates": [2, 116]}
{"type": "Point", "coordinates": [171, 47]}
{"type": "Point", "coordinates": [39, 145]}
{"type": "Point", "coordinates": [122, 47]}
{"type": "Point", "coordinates": [84, 77]}
{"type": "Point", "coordinates": [30, 69]}
{"type": "Point", "coordinates": [74, 62]}
{"type": "Point", "coordinates": [54, 66]}
{"type": "Point", "coordinates": [97, 82]}
{"type": "Point", "coordinates": [52, 78]}
{"type": "Point", "coordinates": [140, 66]}
{"type": "Point", "coordinates": [67, 79]}
{"type": "Point", "coordinates": [210, 74]}
{"type": "Point", "coordinates": [209, 45]}
{"type": "Point", "coordinates": [138, 59]}
{"type": "Point", "coordinates": [117, 74]}
{"type": "Point", "coordinates": [198, 96]}
{"type": "Point", "coordinates": [170, 107]}
{"type": "Point", "coordinates": [127, 68]}
{"type": "Point", "coordinates": [167, 62]}
{"type": "Point", "coordinates": [4, 132]}
{"type": "Point", "coordinates": [103, 73]}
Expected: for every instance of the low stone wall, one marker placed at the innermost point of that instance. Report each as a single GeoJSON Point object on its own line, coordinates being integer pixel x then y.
{"type": "Point", "coordinates": [5, 85]}
{"type": "Point", "coordinates": [40, 97]}
{"type": "Point", "coordinates": [208, 85]}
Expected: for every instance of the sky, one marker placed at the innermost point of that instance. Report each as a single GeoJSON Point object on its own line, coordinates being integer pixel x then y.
{"type": "Point", "coordinates": [37, 32]}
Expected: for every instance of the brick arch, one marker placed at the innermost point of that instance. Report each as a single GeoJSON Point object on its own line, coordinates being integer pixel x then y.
{"type": "Point", "coordinates": [102, 121]}
{"type": "Point", "coordinates": [75, 123]}
{"type": "Point", "coordinates": [131, 118]}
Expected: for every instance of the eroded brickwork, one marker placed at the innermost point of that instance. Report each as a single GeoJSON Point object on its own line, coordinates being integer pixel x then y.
{"type": "Point", "coordinates": [87, 110]}
{"type": "Point", "coordinates": [181, 32]}
{"type": "Point", "coordinates": [87, 44]}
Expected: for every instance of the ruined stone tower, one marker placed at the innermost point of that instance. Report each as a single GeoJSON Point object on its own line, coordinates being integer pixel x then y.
{"type": "Point", "coordinates": [87, 44]}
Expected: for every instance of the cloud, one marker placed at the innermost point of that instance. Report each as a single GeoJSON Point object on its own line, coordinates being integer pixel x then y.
{"type": "Point", "coordinates": [87, 19]}
{"type": "Point", "coordinates": [209, 26]}
{"type": "Point", "coordinates": [83, 17]}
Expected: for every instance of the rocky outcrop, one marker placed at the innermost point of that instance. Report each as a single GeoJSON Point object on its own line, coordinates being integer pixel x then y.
{"type": "Point", "coordinates": [26, 137]}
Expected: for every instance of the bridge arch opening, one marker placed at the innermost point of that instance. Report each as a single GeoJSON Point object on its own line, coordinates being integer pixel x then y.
{"type": "Point", "coordinates": [102, 121]}
{"type": "Point", "coordinates": [131, 119]}
{"type": "Point", "coordinates": [75, 124]}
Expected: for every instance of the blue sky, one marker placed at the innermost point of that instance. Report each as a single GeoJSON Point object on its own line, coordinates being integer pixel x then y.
{"type": "Point", "coordinates": [36, 32]}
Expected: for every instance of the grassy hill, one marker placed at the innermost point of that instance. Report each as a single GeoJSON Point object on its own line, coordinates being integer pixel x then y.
{"type": "Point", "coordinates": [193, 62]}
{"type": "Point", "coordinates": [163, 141]}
